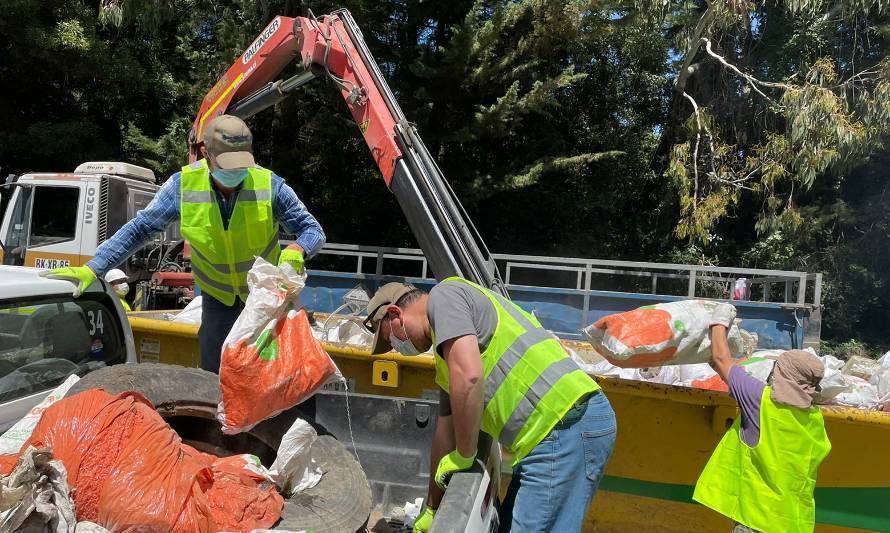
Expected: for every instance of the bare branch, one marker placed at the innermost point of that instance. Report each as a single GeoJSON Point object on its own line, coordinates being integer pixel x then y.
{"type": "Point", "coordinates": [695, 151]}
{"type": "Point", "coordinates": [753, 82]}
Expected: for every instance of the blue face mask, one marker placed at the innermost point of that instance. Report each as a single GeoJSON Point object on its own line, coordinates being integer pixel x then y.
{"type": "Point", "coordinates": [404, 347]}
{"type": "Point", "coordinates": [229, 178]}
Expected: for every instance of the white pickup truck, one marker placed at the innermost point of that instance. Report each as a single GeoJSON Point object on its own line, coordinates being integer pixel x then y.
{"type": "Point", "coordinates": [47, 335]}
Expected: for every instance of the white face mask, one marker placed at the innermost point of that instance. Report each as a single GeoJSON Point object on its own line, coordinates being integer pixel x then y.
{"type": "Point", "coordinates": [404, 347]}
{"type": "Point", "coordinates": [122, 289]}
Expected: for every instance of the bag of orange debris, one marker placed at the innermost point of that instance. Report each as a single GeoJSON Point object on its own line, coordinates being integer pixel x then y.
{"type": "Point", "coordinates": [130, 471]}
{"type": "Point", "coordinates": [673, 333]}
{"type": "Point", "coordinates": [271, 361]}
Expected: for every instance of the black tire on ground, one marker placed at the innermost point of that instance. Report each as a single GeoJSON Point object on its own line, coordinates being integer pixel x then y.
{"type": "Point", "coordinates": [187, 398]}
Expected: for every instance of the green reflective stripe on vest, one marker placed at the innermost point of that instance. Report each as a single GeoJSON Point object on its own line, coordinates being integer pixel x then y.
{"type": "Point", "coordinates": [768, 487]}
{"type": "Point", "coordinates": [221, 257]}
{"type": "Point", "coordinates": [530, 382]}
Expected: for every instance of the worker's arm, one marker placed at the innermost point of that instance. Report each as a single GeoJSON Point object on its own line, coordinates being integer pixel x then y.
{"type": "Point", "coordinates": [162, 210]}
{"type": "Point", "coordinates": [296, 220]}
{"type": "Point", "coordinates": [467, 390]}
{"type": "Point", "coordinates": [721, 358]}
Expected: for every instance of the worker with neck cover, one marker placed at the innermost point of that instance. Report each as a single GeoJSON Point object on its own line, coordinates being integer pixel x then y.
{"type": "Point", "coordinates": [502, 373]}
{"type": "Point", "coordinates": [230, 210]}
{"type": "Point", "coordinates": [763, 473]}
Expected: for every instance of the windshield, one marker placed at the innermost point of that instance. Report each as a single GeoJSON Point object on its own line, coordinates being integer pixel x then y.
{"type": "Point", "coordinates": [42, 342]}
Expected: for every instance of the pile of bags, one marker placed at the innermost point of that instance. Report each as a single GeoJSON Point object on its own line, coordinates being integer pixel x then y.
{"type": "Point", "coordinates": [858, 382]}
{"type": "Point", "coordinates": [670, 344]}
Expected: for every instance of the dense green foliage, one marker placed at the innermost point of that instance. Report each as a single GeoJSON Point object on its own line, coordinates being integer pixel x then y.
{"type": "Point", "coordinates": [736, 132]}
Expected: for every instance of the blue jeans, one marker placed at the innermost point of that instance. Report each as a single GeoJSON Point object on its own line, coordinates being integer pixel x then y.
{"type": "Point", "coordinates": [217, 319]}
{"type": "Point", "coordinates": [553, 485]}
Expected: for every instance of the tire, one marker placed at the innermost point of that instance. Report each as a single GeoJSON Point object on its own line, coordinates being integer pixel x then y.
{"type": "Point", "coordinates": [187, 399]}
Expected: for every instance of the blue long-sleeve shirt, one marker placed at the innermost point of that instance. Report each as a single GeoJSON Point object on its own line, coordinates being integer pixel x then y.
{"type": "Point", "coordinates": [287, 209]}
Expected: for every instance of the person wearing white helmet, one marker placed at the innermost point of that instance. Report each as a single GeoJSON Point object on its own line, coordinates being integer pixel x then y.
{"type": "Point", "coordinates": [118, 280]}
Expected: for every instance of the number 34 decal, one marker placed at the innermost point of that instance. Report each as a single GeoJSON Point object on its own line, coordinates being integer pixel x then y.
{"type": "Point", "coordinates": [96, 324]}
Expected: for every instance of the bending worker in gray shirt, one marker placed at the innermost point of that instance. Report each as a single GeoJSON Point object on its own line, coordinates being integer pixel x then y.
{"type": "Point", "coordinates": [502, 373]}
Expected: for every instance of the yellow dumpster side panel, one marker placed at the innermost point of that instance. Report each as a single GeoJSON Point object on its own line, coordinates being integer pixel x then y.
{"type": "Point", "coordinates": [161, 341]}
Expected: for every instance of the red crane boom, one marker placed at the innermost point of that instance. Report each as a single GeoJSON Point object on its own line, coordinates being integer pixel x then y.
{"type": "Point", "coordinates": [333, 47]}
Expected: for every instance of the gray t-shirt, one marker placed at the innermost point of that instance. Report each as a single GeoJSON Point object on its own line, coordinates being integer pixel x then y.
{"type": "Point", "coordinates": [456, 309]}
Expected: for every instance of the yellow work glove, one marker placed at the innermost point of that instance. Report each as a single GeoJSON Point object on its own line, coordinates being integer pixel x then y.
{"type": "Point", "coordinates": [82, 277]}
{"type": "Point", "coordinates": [293, 257]}
{"type": "Point", "coordinates": [451, 463]}
{"type": "Point", "coordinates": [425, 520]}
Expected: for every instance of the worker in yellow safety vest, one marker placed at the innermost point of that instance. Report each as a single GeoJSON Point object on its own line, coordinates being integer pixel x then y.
{"type": "Point", "coordinates": [763, 473]}
{"type": "Point", "coordinates": [230, 211]}
{"type": "Point", "coordinates": [118, 281]}
{"type": "Point", "coordinates": [502, 373]}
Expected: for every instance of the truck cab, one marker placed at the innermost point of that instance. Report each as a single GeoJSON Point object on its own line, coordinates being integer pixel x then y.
{"type": "Point", "coordinates": [59, 219]}
{"type": "Point", "coordinates": [47, 335]}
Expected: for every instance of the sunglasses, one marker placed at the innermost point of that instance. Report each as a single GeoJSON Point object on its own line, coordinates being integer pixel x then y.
{"type": "Point", "coordinates": [368, 322]}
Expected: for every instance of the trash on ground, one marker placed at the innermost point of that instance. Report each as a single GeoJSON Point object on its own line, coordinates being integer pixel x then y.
{"type": "Point", "coordinates": [673, 333]}
{"type": "Point", "coordinates": [412, 511]}
{"type": "Point", "coordinates": [271, 361]}
{"type": "Point", "coordinates": [119, 445]}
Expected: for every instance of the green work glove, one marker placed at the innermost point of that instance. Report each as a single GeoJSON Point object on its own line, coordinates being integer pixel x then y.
{"type": "Point", "coordinates": [292, 256]}
{"type": "Point", "coordinates": [425, 520]}
{"type": "Point", "coordinates": [451, 463]}
{"type": "Point", "coordinates": [82, 277]}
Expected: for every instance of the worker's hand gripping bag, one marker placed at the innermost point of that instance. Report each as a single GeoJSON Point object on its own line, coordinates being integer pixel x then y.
{"type": "Point", "coordinates": [270, 360]}
{"type": "Point", "coordinates": [674, 333]}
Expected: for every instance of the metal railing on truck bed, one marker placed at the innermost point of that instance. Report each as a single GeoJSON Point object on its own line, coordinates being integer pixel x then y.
{"type": "Point", "coordinates": [569, 293]}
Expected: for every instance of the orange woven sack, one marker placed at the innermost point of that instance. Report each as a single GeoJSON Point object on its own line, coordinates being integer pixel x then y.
{"type": "Point", "coordinates": [284, 366]}
{"type": "Point", "coordinates": [130, 471]}
{"type": "Point", "coordinates": [125, 464]}
{"type": "Point", "coordinates": [672, 333]}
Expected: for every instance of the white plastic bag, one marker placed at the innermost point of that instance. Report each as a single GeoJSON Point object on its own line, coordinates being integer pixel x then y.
{"type": "Point", "coordinates": [861, 367]}
{"type": "Point", "coordinates": [272, 290]}
{"type": "Point", "coordinates": [294, 469]}
{"type": "Point", "coordinates": [696, 372]}
{"type": "Point", "coordinates": [191, 314]}
{"type": "Point", "coordinates": [860, 394]}
{"type": "Point", "coordinates": [11, 441]}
